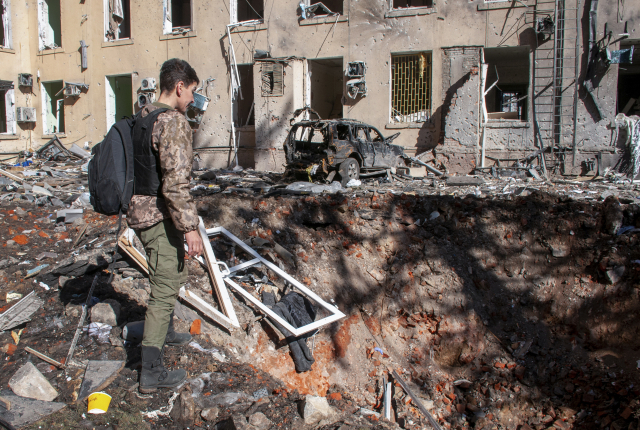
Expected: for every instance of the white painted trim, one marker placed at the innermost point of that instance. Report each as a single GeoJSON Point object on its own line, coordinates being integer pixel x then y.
{"type": "Point", "coordinates": [218, 283]}
{"type": "Point", "coordinates": [110, 102]}
{"type": "Point", "coordinates": [335, 312]}
{"type": "Point", "coordinates": [10, 108]}
{"type": "Point", "coordinates": [105, 7]}
{"type": "Point", "coordinates": [46, 103]}
{"type": "Point", "coordinates": [206, 308]}
{"type": "Point", "coordinates": [45, 31]}
{"type": "Point", "coordinates": [233, 12]}
{"type": "Point", "coordinates": [167, 26]}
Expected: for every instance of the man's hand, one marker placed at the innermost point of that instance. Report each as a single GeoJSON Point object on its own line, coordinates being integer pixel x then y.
{"type": "Point", "coordinates": [194, 242]}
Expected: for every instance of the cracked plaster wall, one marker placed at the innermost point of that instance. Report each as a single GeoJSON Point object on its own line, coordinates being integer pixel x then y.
{"type": "Point", "coordinates": [367, 35]}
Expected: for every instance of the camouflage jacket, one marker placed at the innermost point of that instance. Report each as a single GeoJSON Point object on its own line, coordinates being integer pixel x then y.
{"type": "Point", "coordinates": [172, 139]}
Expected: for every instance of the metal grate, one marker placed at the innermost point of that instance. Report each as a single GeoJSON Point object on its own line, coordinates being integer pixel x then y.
{"type": "Point", "coordinates": [411, 87]}
{"type": "Point", "coordinates": [272, 79]}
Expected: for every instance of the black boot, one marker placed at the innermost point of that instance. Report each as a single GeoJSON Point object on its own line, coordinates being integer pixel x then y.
{"type": "Point", "coordinates": [154, 375]}
{"type": "Point", "coordinates": [174, 338]}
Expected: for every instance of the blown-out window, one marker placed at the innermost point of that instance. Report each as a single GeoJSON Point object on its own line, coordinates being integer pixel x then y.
{"type": "Point", "coordinates": [411, 87]}
{"type": "Point", "coordinates": [5, 24]}
{"type": "Point", "coordinates": [272, 79]}
{"type": "Point", "coordinates": [117, 23]}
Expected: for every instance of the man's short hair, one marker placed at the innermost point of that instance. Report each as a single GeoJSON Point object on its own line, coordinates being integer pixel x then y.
{"type": "Point", "coordinates": [174, 71]}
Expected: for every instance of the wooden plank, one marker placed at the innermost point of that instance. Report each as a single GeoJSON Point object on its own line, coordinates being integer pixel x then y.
{"type": "Point", "coordinates": [125, 242]}
{"type": "Point", "coordinates": [205, 308]}
{"type": "Point", "coordinates": [10, 176]}
{"type": "Point", "coordinates": [415, 399]}
{"type": "Point", "coordinates": [6, 403]}
{"type": "Point", "coordinates": [218, 283]}
{"type": "Point", "coordinates": [74, 342]}
{"type": "Point", "coordinates": [45, 358]}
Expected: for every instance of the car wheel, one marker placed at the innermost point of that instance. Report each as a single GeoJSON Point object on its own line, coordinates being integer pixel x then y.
{"type": "Point", "coordinates": [349, 169]}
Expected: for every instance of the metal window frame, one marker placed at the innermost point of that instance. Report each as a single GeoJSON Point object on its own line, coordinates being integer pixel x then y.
{"type": "Point", "coordinates": [401, 85]}
{"type": "Point", "coordinates": [258, 259]}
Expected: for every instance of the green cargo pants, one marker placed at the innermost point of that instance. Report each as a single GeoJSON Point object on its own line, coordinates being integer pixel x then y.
{"type": "Point", "coordinates": [164, 245]}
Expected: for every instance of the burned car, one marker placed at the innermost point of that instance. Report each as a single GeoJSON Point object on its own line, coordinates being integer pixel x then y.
{"type": "Point", "coordinates": [350, 149]}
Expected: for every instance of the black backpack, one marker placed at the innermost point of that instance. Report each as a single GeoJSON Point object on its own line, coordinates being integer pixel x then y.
{"type": "Point", "coordinates": [111, 170]}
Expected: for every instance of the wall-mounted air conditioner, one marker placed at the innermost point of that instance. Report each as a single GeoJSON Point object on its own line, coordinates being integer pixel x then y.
{"type": "Point", "coordinates": [145, 99]}
{"type": "Point", "coordinates": [26, 114]}
{"type": "Point", "coordinates": [148, 84]}
{"type": "Point", "coordinates": [25, 80]}
{"type": "Point", "coordinates": [71, 91]}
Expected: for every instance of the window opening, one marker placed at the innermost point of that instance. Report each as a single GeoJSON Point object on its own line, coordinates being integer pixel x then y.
{"type": "Point", "coordinates": [119, 98]}
{"type": "Point", "coordinates": [5, 24]}
{"type": "Point", "coordinates": [7, 108]}
{"type": "Point", "coordinates": [118, 19]}
{"type": "Point", "coordinates": [343, 132]}
{"type": "Point", "coordinates": [177, 16]}
{"type": "Point", "coordinates": [327, 87]}
{"type": "Point", "coordinates": [243, 103]}
{"type": "Point", "coordinates": [181, 13]}
{"type": "Point", "coordinates": [361, 134]}
{"type": "Point", "coordinates": [509, 66]}
{"type": "Point", "coordinates": [375, 135]}
{"type": "Point", "coordinates": [403, 4]}
{"type": "Point", "coordinates": [52, 107]}
{"type": "Point", "coordinates": [629, 84]}
{"type": "Point", "coordinates": [272, 78]}
{"type": "Point", "coordinates": [249, 10]}
{"type": "Point", "coordinates": [49, 28]}
{"type": "Point", "coordinates": [411, 87]}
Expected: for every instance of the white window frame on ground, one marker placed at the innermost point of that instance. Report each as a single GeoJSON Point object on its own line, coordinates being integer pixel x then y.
{"type": "Point", "coordinates": [6, 24]}
{"type": "Point", "coordinates": [125, 15]}
{"type": "Point", "coordinates": [46, 36]}
{"type": "Point", "coordinates": [10, 108]}
{"type": "Point", "coordinates": [334, 312]}
{"type": "Point", "coordinates": [46, 102]}
{"type": "Point", "coordinates": [167, 13]}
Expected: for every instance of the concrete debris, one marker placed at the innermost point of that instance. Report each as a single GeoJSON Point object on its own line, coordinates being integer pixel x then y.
{"type": "Point", "coordinates": [20, 312]}
{"type": "Point", "coordinates": [316, 411]}
{"type": "Point", "coordinates": [260, 421]}
{"type": "Point", "coordinates": [184, 410]}
{"type": "Point", "coordinates": [210, 414]}
{"type": "Point", "coordinates": [29, 382]}
{"type": "Point", "coordinates": [498, 302]}
{"type": "Point", "coordinates": [106, 312]}
{"type": "Point", "coordinates": [98, 376]}
{"type": "Point", "coordinates": [25, 411]}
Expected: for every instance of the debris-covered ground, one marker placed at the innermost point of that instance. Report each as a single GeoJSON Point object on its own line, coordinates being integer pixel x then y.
{"type": "Point", "coordinates": [504, 303]}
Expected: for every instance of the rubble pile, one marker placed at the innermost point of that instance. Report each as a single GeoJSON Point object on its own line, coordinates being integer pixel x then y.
{"type": "Point", "coordinates": [489, 302]}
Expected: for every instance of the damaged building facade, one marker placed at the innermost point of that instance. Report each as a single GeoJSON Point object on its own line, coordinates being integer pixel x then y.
{"type": "Point", "coordinates": [469, 84]}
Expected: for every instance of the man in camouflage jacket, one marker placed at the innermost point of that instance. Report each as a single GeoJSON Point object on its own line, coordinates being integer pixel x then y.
{"type": "Point", "coordinates": [164, 221]}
